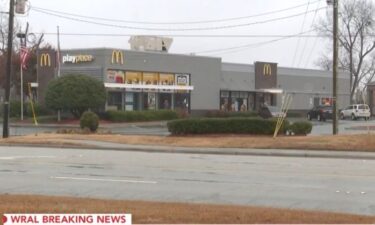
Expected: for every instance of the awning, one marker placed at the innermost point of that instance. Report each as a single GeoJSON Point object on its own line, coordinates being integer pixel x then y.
{"type": "Point", "coordinates": [272, 91]}
{"type": "Point", "coordinates": [148, 86]}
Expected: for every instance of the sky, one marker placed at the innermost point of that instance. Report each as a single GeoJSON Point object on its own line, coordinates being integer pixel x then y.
{"type": "Point", "coordinates": [254, 25]}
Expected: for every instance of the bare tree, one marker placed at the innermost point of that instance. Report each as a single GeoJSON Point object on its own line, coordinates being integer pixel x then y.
{"type": "Point", "coordinates": [356, 40]}
{"type": "Point", "coordinates": [33, 43]}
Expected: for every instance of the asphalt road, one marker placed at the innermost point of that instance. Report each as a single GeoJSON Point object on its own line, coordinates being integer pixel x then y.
{"type": "Point", "coordinates": [340, 185]}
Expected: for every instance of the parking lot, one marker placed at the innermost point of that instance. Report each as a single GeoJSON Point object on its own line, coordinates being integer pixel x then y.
{"type": "Point", "coordinates": [345, 126]}
{"type": "Point", "coordinates": [319, 128]}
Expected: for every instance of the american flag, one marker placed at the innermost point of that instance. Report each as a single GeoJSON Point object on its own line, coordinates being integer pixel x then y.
{"type": "Point", "coordinates": [24, 55]}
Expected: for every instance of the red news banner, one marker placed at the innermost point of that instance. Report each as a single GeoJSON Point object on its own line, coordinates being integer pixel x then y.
{"type": "Point", "coordinates": [65, 219]}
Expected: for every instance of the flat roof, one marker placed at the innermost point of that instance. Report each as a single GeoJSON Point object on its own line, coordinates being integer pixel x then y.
{"type": "Point", "coordinates": [283, 71]}
{"type": "Point", "coordinates": [232, 67]}
{"type": "Point", "coordinates": [136, 51]}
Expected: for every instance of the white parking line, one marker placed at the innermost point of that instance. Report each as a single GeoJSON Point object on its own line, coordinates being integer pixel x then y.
{"type": "Point", "coordinates": [108, 180]}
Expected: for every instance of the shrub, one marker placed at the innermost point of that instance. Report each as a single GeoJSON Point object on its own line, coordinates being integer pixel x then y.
{"type": "Point", "coordinates": [40, 110]}
{"type": "Point", "coordinates": [301, 128]}
{"type": "Point", "coordinates": [224, 125]}
{"type": "Point", "coordinates": [132, 116]}
{"type": "Point", "coordinates": [76, 93]}
{"type": "Point", "coordinates": [89, 120]}
{"type": "Point", "coordinates": [15, 108]}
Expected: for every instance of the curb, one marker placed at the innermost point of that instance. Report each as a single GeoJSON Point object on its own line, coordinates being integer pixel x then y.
{"type": "Point", "coordinates": [103, 126]}
{"type": "Point", "coordinates": [213, 151]}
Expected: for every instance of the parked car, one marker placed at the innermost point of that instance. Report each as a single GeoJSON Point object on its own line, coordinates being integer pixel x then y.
{"type": "Point", "coordinates": [276, 112]}
{"type": "Point", "coordinates": [321, 113]}
{"type": "Point", "coordinates": [267, 111]}
{"type": "Point", "coordinates": [356, 111]}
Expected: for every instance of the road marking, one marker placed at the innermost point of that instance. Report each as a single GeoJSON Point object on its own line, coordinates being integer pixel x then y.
{"type": "Point", "coordinates": [25, 157]}
{"type": "Point", "coordinates": [108, 180]}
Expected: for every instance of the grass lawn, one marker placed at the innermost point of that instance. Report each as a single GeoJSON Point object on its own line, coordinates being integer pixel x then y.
{"type": "Point", "coordinates": [360, 142]}
{"type": "Point", "coordinates": [156, 212]}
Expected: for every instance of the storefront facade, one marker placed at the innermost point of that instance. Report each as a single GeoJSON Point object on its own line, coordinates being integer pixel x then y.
{"type": "Point", "coordinates": [141, 80]}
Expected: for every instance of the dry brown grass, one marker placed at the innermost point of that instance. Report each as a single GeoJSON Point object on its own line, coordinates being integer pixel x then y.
{"type": "Point", "coordinates": [361, 142]}
{"type": "Point", "coordinates": [156, 212]}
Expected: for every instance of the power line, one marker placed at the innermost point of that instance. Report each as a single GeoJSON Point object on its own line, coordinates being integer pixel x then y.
{"type": "Point", "coordinates": [305, 41]}
{"type": "Point", "coordinates": [299, 39]}
{"type": "Point", "coordinates": [185, 35]}
{"type": "Point", "coordinates": [242, 47]}
{"type": "Point", "coordinates": [196, 35]}
{"type": "Point", "coordinates": [313, 47]}
{"type": "Point", "coordinates": [174, 23]}
{"type": "Point", "coordinates": [177, 29]}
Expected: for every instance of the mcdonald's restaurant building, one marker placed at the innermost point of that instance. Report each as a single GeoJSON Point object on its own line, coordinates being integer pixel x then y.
{"type": "Point", "coordinates": [144, 80]}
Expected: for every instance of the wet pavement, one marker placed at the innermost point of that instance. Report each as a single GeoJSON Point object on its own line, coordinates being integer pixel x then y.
{"type": "Point", "coordinates": [338, 185]}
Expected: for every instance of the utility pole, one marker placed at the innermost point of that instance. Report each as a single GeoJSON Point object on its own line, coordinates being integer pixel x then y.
{"type": "Point", "coordinates": [8, 70]}
{"type": "Point", "coordinates": [335, 65]}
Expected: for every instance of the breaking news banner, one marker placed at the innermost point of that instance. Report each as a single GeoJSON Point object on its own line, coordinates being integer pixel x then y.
{"type": "Point", "coordinates": [65, 219]}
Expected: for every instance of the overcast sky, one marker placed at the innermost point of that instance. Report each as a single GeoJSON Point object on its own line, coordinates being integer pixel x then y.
{"type": "Point", "coordinates": [294, 52]}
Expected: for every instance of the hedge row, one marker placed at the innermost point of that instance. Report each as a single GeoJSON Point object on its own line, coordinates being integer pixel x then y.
{"type": "Point", "coordinates": [132, 116]}
{"type": "Point", "coordinates": [224, 125]}
{"type": "Point", "coordinates": [15, 109]}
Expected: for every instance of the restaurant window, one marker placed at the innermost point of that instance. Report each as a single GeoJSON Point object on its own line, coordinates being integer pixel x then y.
{"type": "Point", "coordinates": [235, 101]}
{"type": "Point", "coordinates": [251, 100]}
{"type": "Point", "coordinates": [326, 101]}
{"type": "Point", "coordinates": [150, 78]}
{"type": "Point", "coordinates": [133, 77]}
{"type": "Point", "coordinates": [115, 99]}
{"type": "Point", "coordinates": [115, 76]}
{"type": "Point", "coordinates": [224, 100]}
{"type": "Point", "coordinates": [243, 100]}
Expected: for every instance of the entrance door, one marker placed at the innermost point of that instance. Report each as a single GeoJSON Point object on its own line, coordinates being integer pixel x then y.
{"type": "Point", "coordinates": [182, 101]}
{"type": "Point", "coordinates": [149, 101]}
{"type": "Point", "coordinates": [165, 101]}
{"type": "Point", "coordinates": [131, 101]}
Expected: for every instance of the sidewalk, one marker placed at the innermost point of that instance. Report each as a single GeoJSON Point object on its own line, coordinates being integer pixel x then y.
{"type": "Point", "coordinates": [104, 125]}
{"type": "Point", "coordinates": [101, 145]}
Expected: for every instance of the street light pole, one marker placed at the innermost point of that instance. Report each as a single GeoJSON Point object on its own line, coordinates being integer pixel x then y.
{"type": "Point", "coordinates": [8, 70]}
{"type": "Point", "coordinates": [335, 65]}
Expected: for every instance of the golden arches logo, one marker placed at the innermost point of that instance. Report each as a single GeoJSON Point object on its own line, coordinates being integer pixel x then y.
{"type": "Point", "coordinates": [45, 60]}
{"type": "Point", "coordinates": [117, 57]}
{"type": "Point", "coordinates": [267, 69]}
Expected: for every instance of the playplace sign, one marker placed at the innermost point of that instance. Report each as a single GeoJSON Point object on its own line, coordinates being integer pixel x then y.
{"type": "Point", "coordinates": [75, 59]}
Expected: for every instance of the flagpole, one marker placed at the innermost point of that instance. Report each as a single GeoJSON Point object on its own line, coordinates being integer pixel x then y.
{"type": "Point", "coordinates": [21, 91]}
{"type": "Point", "coordinates": [58, 65]}
{"type": "Point", "coordinates": [23, 56]}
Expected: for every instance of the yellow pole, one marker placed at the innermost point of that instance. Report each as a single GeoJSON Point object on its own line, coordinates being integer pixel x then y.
{"type": "Point", "coordinates": [279, 117]}
{"type": "Point", "coordinates": [32, 105]}
{"type": "Point", "coordinates": [287, 102]}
